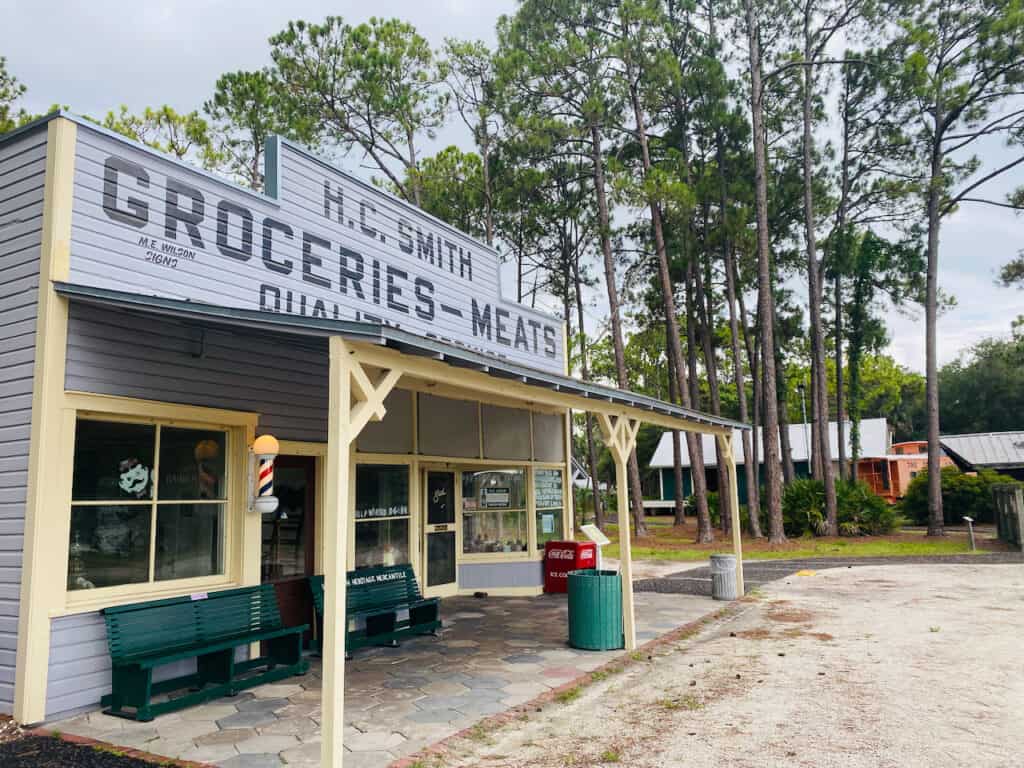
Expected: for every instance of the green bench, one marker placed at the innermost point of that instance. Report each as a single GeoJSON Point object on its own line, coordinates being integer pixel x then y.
{"type": "Point", "coordinates": [207, 627]}
{"type": "Point", "coordinates": [376, 596]}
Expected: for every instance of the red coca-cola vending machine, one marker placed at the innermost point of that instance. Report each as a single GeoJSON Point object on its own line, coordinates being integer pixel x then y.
{"type": "Point", "coordinates": [560, 557]}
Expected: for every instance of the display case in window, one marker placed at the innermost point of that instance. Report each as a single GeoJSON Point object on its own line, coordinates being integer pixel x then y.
{"type": "Point", "coordinates": [494, 511]}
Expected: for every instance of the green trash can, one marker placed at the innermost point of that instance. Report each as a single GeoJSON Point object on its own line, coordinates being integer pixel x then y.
{"type": "Point", "coordinates": [595, 610]}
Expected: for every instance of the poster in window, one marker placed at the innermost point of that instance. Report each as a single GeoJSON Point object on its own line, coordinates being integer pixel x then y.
{"type": "Point", "coordinates": [548, 488]}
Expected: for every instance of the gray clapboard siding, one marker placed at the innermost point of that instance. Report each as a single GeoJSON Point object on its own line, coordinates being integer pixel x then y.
{"type": "Point", "coordinates": [492, 575]}
{"type": "Point", "coordinates": [130, 354]}
{"type": "Point", "coordinates": [22, 174]}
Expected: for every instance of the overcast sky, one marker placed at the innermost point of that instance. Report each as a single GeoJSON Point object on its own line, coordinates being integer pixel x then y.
{"type": "Point", "coordinates": [93, 56]}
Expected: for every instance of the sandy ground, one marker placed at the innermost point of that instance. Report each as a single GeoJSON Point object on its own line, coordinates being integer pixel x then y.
{"type": "Point", "coordinates": [910, 666]}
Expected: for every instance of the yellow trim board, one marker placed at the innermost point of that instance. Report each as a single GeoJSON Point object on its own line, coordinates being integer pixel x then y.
{"type": "Point", "coordinates": [42, 585]}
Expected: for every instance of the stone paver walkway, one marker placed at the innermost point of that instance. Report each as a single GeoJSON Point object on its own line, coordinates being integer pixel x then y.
{"type": "Point", "coordinates": [493, 654]}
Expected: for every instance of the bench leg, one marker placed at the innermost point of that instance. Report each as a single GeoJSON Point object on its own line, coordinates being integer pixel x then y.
{"type": "Point", "coordinates": [131, 687]}
{"type": "Point", "coordinates": [216, 668]}
{"type": "Point", "coordinates": [285, 651]}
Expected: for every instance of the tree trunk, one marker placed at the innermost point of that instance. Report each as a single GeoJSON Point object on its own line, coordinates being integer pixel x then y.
{"type": "Point", "coordinates": [766, 308]}
{"type": "Point", "coordinates": [936, 523]}
{"type": "Point", "coordinates": [595, 484]}
{"type": "Point", "coordinates": [785, 444]}
{"type": "Point", "coordinates": [704, 533]}
{"type": "Point", "coordinates": [636, 492]}
{"type": "Point", "coordinates": [749, 467]}
{"type": "Point", "coordinates": [485, 159]}
{"type": "Point", "coordinates": [705, 311]}
{"type": "Point", "coordinates": [814, 287]}
{"type": "Point", "coordinates": [695, 401]}
{"type": "Point", "coordinates": [754, 475]}
{"type": "Point", "coordinates": [840, 384]}
{"type": "Point", "coordinates": [677, 452]}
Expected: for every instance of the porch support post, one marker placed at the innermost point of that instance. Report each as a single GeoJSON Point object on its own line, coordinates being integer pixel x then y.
{"type": "Point", "coordinates": [339, 443]}
{"type": "Point", "coordinates": [725, 449]}
{"type": "Point", "coordinates": [353, 401]}
{"type": "Point", "coordinates": [620, 437]}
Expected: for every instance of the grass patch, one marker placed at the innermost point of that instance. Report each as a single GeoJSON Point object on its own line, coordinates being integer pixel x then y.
{"type": "Point", "coordinates": [610, 756]}
{"type": "Point", "coordinates": [689, 702]}
{"type": "Point", "coordinates": [667, 542]}
{"type": "Point", "coordinates": [565, 697]}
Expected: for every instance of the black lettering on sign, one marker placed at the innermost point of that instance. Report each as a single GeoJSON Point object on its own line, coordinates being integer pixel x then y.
{"type": "Point", "coordinates": [451, 255]}
{"type": "Point", "coordinates": [311, 261]}
{"type": "Point", "coordinates": [270, 298]}
{"type": "Point", "coordinates": [173, 213]}
{"type": "Point", "coordinates": [481, 320]}
{"type": "Point", "coordinates": [405, 243]}
{"type": "Point", "coordinates": [364, 206]}
{"type": "Point", "coordinates": [424, 299]}
{"type": "Point", "coordinates": [338, 198]}
{"type": "Point", "coordinates": [466, 264]}
{"type": "Point", "coordinates": [283, 267]}
{"type": "Point", "coordinates": [395, 291]}
{"type": "Point", "coordinates": [500, 315]}
{"type": "Point", "coordinates": [535, 326]}
{"type": "Point", "coordinates": [375, 282]}
{"type": "Point", "coordinates": [136, 210]}
{"type": "Point", "coordinates": [243, 250]}
{"type": "Point", "coordinates": [424, 246]}
{"type": "Point", "coordinates": [521, 342]}
{"type": "Point", "coordinates": [549, 341]}
{"type": "Point", "coordinates": [355, 275]}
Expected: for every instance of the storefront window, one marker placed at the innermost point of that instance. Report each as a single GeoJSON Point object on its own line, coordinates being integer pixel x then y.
{"type": "Point", "coordinates": [382, 515]}
{"type": "Point", "coordinates": [494, 511]}
{"type": "Point", "coordinates": [116, 504]}
{"type": "Point", "coordinates": [547, 494]}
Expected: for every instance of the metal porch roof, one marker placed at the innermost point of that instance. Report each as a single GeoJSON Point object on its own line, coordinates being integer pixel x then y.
{"type": "Point", "coordinates": [995, 450]}
{"type": "Point", "coordinates": [388, 336]}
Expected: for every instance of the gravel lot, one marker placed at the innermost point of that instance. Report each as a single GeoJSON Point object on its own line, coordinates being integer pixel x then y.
{"type": "Point", "coordinates": [916, 666]}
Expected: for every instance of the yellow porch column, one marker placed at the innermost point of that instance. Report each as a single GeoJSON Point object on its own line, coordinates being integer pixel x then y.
{"type": "Point", "coordinates": [725, 446]}
{"type": "Point", "coordinates": [620, 437]}
{"type": "Point", "coordinates": [354, 400]}
{"type": "Point", "coordinates": [339, 444]}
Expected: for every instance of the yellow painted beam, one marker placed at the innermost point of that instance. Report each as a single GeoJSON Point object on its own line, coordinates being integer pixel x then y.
{"type": "Point", "coordinates": [485, 385]}
{"type": "Point", "coordinates": [43, 585]}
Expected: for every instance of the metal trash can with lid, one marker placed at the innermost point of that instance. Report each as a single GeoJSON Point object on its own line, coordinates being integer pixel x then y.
{"type": "Point", "coordinates": [595, 610]}
{"type": "Point", "coordinates": [723, 577]}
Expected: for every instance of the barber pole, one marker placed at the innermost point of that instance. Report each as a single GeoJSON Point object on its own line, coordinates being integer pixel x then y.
{"type": "Point", "coordinates": [265, 449]}
{"type": "Point", "coordinates": [265, 483]}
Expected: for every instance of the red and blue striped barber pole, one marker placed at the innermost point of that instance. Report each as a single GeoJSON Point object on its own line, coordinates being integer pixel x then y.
{"type": "Point", "coordinates": [265, 479]}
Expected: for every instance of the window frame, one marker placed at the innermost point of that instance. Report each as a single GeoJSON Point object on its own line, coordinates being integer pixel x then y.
{"type": "Point", "coordinates": [238, 526]}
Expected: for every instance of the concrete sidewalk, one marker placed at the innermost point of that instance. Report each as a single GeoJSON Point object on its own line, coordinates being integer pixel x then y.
{"type": "Point", "coordinates": [493, 654]}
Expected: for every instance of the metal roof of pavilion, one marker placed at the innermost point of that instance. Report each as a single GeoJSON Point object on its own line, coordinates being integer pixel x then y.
{"type": "Point", "coordinates": [391, 337]}
{"type": "Point", "coordinates": [995, 450]}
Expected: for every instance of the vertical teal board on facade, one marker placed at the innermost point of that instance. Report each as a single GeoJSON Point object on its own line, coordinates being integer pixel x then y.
{"type": "Point", "coordinates": [22, 173]}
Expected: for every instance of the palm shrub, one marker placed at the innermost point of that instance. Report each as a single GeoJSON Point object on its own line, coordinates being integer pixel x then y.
{"type": "Point", "coordinates": [803, 504]}
{"type": "Point", "coordinates": [859, 511]}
